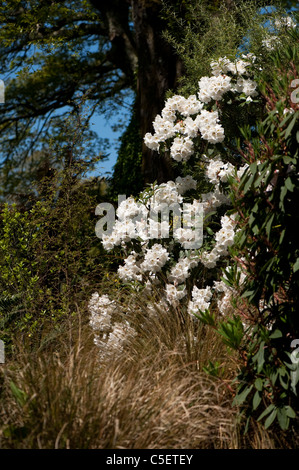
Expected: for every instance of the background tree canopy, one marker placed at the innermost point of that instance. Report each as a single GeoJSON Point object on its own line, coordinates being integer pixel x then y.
{"type": "Point", "coordinates": [58, 57]}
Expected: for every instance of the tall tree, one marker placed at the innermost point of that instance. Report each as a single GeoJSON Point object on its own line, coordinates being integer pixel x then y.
{"type": "Point", "coordinates": [99, 49]}
{"type": "Point", "coordinates": [62, 50]}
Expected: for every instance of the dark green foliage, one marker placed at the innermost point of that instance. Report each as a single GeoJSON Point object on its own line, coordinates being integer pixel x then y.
{"type": "Point", "coordinates": [50, 257]}
{"type": "Point", "coordinates": [127, 178]}
{"type": "Point", "coordinates": [209, 30]}
{"type": "Point", "coordinates": [267, 249]}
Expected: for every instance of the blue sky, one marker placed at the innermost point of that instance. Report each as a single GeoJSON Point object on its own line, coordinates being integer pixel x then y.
{"type": "Point", "coordinates": [104, 128]}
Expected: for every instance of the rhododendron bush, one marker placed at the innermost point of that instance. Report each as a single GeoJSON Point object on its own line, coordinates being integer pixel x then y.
{"type": "Point", "coordinates": [243, 276]}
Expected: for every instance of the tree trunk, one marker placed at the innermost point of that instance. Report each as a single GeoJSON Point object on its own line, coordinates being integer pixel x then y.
{"type": "Point", "coordinates": [158, 71]}
{"type": "Point", "coordinates": [148, 63]}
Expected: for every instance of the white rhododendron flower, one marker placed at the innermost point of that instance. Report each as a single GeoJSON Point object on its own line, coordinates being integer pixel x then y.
{"type": "Point", "coordinates": [285, 22]}
{"type": "Point", "coordinates": [113, 343]}
{"type": "Point", "coordinates": [200, 300]}
{"type": "Point", "coordinates": [213, 200]}
{"type": "Point", "coordinates": [209, 259]}
{"type": "Point", "coordinates": [185, 129]}
{"type": "Point", "coordinates": [182, 269]}
{"type": "Point", "coordinates": [181, 149]}
{"type": "Point", "coordinates": [219, 171]}
{"type": "Point", "coordinates": [101, 309]}
{"type": "Point", "coordinates": [185, 184]}
{"type": "Point", "coordinates": [213, 87]}
{"type": "Point", "coordinates": [131, 270]}
{"type": "Point", "coordinates": [152, 141]}
{"type": "Point", "coordinates": [174, 294]}
{"type": "Point", "coordinates": [154, 258]}
{"type": "Point", "coordinates": [165, 193]}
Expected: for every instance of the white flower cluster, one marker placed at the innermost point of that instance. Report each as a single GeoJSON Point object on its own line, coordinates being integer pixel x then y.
{"type": "Point", "coordinates": [246, 86]}
{"type": "Point", "coordinates": [167, 125]}
{"type": "Point", "coordinates": [129, 208]}
{"type": "Point", "coordinates": [175, 294]}
{"type": "Point", "coordinates": [200, 300]}
{"type": "Point", "coordinates": [112, 344]}
{"type": "Point", "coordinates": [154, 258]}
{"type": "Point", "coordinates": [216, 86]}
{"type": "Point", "coordinates": [182, 148]}
{"type": "Point", "coordinates": [224, 304]}
{"type": "Point", "coordinates": [183, 130]}
{"type": "Point", "coordinates": [213, 200]}
{"type": "Point", "coordinates": [183, 106]}
{"type": "Point", "coordinates": [225, 236]}
{"type": "Point", "coordinates": [123, 231]}
{"type": "Point", "coordinates": [108, 336]}
{"type": "Point", "coordinates": [218, 171]}
{"type": "Point", "coordinates": [165, 193]}
{"type": "Point", "coordinates": [136, 220]}
{"type": "Point", "coordinates": [175, 128]}
{"type": "Point", "coordinates": [239, 67]}
{"type": "Point", "coordinates": [185, 184]}
{"type": "Point", "coordinates": [209, 127]}
{"type": "Point", "coordinates": [213, 88]}
{"type": "Point", "coordinates": [179, 128]}
{"type": "Point", "coordinates": [125, 228]}
{"type": "Point", "coordinates": [285, 22]}
{"type": "Point", "coordinates": [184, 236]}
{"type": "Point", "coordinates": [182, 269]}
{"type": "Point", "coordinates": [101, 309]}
{"type": "Point", "coordinates": [131, 270]}
{"type": "Point", "coordinates": [224, 239]}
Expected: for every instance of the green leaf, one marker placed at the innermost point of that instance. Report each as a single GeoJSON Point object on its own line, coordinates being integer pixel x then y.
{"type": "Point", "coordinates": [258, 384]}
{"type": "Point", "coordinates": [283, 383]}
{"type": "Point", "coordinates": [290, 412]}
{"type": "Point", "coordinates": [296, 265]}
{"type": "Point", "coordinates": [282, 236]}
{"type": "Point", "coordinates": [273, 377]}
{"type": "Point", "coordinates": [19, 395]}
{"type": "Point", "coordinates": [269, 225]}
{"type": "Point", "coordinates": [285, 120]}
{"type": "Point", "coordinates": [241, 397]}
{"type": "Point", "coordinates": [259, 357]}
{"type": "Point", "coordinates": [287, 159]}
{"type": "Point", "coordinates": [270, 418]}
{"type": "Point", "coordinates": [283, 419]}
{"type": "Point", "coordinates": [290, 126]}
{"type": "Point", "coordinates": [256, 400]}
{"type": "Point", "coordinates": [266, 412]}
{"type": "Point", "coordinates": [206, 317]}
{"type": "Point", "coordinates": [248, 184]}
{"type": "Point", "coordinates": [253, 168]}
{"type": "Point", "coordinates": [289, 184]}
{"type": "Point", "coordinates": [276, 334]}
{"type": "Point", "coordinates": [283, 192]}
{"type": "Point", "coordinates": [232, 332]}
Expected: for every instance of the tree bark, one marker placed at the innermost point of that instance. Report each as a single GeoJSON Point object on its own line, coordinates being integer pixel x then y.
{"type": "Point", "coordinates": [148, 62]}
{"type": "Point", "coordinates": [158, 72]}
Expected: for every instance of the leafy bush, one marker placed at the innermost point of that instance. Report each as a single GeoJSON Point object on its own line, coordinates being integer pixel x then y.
{"type": "Point", "coordinates": [267, 250]}
{"type": "Point", "coordinates": [49, 256]}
